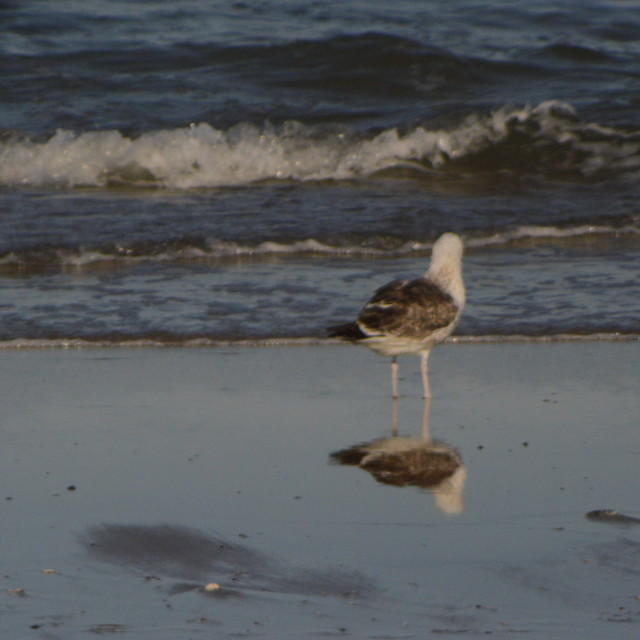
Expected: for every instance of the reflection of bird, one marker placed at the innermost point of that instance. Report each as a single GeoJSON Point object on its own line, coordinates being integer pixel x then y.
{"type": "Point", "coordinates": [411, 316]}
{"type": "Point", "coordinates": [416, 462]}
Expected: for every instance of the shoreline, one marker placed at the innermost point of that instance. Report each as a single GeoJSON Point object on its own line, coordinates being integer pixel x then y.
{"type": "Point", "coordinates": [197, 343]}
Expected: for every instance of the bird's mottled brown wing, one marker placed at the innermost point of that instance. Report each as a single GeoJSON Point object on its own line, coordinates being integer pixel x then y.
{"type": "Point", "coordinates": [407, 309]}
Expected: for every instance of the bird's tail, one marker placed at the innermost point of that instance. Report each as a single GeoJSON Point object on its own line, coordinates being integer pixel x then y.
{"type": "Point", "coordinates": [349, 331]}
{"type": "Point", "coordinates": [352, 455]}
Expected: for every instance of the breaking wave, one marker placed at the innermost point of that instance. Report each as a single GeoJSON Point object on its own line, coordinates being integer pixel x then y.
{"type": "Point", "coordinates": [188, 250]}
{"type": "Point", "coordinates": [548, 139]}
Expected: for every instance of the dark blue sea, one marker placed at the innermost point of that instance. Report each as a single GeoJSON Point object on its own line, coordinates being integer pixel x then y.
{"type": "Point", "coordinates": [200, 172]}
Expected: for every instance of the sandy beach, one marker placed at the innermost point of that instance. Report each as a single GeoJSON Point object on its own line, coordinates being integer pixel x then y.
{"type": "Point", "coordinates": [185, 493]}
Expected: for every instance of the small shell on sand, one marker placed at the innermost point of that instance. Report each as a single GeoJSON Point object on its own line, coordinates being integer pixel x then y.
{"type": "Point", "coordinates": [212, 586]}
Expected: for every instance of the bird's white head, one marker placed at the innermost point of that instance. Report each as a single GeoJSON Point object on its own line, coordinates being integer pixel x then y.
{"type": "Point", "coordinates": [449, 245]}
{"type": "Point", "coordinates": [446, 266]}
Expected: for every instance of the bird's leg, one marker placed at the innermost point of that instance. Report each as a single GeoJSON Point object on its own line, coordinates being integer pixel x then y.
{"type": "Point", "coordinates": [394, 377]}
{"type": "Point", "coordinates": [425, 374]}
{"type": "Point", "coordinates": [394, 418]}
{"type": "Point", "coordinates": [426, 435]}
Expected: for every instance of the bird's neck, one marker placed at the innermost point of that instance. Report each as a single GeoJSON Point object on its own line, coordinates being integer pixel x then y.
{"type": "Point", "coordinates": [449, 278]}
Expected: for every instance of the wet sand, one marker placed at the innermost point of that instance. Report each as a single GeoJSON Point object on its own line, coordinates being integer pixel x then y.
{"type": "Point", "coordinates": [182, 493]}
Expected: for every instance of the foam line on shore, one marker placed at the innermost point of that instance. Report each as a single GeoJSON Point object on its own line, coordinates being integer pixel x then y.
{"type": "Point", "coordinates": [62, 343]}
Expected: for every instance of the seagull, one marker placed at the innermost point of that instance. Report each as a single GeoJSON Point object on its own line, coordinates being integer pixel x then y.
{"type": "Point", "coordinates": [412, 316]}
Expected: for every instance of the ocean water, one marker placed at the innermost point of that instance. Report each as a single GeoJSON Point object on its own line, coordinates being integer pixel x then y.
{"type": "Point", "coordinates": [199, 172]}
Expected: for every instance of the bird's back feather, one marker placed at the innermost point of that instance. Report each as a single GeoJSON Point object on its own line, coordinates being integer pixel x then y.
{"type": "Point", "coordinates": [408, 309]}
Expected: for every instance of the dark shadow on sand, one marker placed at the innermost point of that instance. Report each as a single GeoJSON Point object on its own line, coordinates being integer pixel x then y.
{"type": "Point", "coordinates": [196, 560]}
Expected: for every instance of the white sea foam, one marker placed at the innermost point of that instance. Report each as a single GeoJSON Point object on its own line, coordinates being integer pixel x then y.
{"type": "Point", "coordinates": [195, 343]}
{"type": "Point", "coordinates": [550, 232]}
{"type": "Point", "coordinates": [200, 156]}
